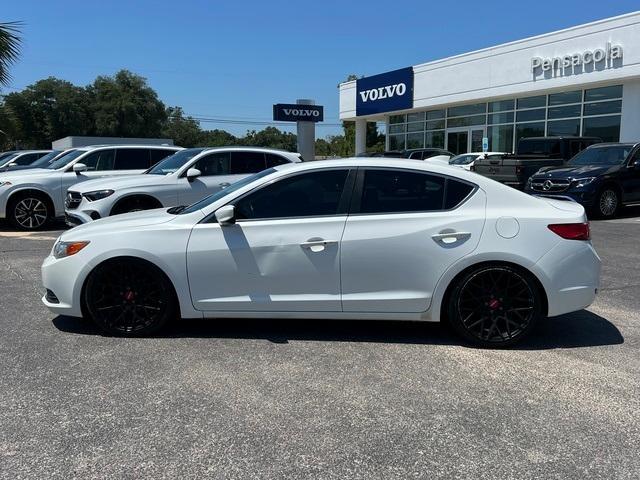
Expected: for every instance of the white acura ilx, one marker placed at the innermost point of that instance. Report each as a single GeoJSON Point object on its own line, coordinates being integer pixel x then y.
{"type": "Point", "coordinates": [360, 238]}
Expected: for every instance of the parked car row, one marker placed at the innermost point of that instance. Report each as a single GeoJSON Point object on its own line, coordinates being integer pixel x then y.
{"type": "Point", "coordinates": [88, 183]}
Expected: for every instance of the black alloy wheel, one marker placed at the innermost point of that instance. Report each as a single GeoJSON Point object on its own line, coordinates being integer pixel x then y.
{"type": "Point", "coordinates": [607, 203]}
{"type": "Point", "coordinates": [29, 212]}
{"type": "Point", "coordinates": [494, 306]}
{"type": "Point", "coordinates": [129, 296]}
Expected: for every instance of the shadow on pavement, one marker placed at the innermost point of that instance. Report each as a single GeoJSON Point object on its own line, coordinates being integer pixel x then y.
{"type": "Point", "coordinates": [54, 226]}
{"type": "Point", "coordinates": [578, 329]}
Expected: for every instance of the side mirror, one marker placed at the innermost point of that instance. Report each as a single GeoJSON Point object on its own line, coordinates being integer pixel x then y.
{"type": "Point", "coordinates": [226, 215]}
{"type": "Point", "coordinates": [193, 173]}
{"type": "Point", "coordinates": [79, 168]}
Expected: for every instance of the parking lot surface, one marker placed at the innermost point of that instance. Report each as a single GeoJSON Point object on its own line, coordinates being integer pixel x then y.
{"type": "Point", "coordinates": [320, 399]}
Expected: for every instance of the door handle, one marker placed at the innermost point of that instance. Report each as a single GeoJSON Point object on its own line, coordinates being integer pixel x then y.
{"type": "Point", "coordinates": [449, 238]}
{"type": "Point", "coordinates": [317, 245]}
{"type": "Point", "coordinates": [224, 184]}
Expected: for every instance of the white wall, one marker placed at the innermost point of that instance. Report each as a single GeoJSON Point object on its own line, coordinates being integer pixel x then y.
{"type": "Point", "coordinates": [505, 71]}
{"type": "Point", "coordinates": [630, 123]}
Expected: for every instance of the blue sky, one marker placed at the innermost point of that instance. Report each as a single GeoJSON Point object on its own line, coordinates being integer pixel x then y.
{"type": "Point", "coordinates": [235, 59]}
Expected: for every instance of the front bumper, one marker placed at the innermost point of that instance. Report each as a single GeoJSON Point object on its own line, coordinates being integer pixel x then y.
{"type": "Point", "coordinates": [58, 277]}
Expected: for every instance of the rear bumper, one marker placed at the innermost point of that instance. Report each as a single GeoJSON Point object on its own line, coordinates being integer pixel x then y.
{"type": "Point", "coordinates": [570, 274]}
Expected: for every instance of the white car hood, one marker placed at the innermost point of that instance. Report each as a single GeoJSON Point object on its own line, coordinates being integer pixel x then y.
{"type": "Point", "coordinates": [119, 183]}
{"type": "Point", "coordinates": [117, 223]}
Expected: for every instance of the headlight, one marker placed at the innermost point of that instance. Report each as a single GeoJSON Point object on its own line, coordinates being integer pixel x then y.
{"type": "Point", "coordinates": [4, 183]}
{"type": "Point", "coordinates": [97, 195]}
{"type": "Point", "coordinates": [583, 182]}
{"type": "Point", "coordinates": [66, 249]}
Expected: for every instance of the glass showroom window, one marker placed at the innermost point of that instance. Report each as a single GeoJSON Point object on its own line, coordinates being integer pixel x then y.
{"type": "Point", "coordinates": [601, 113]}
{"type": "Point", "coordinates": [500, 129]}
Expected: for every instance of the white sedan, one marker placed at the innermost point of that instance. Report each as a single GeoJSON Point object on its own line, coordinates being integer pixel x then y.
{"type": "Point", "coordinates": [359, 238]}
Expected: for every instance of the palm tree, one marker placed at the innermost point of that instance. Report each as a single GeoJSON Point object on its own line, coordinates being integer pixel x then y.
{"type": "Point", "coordinates": [10, 42]}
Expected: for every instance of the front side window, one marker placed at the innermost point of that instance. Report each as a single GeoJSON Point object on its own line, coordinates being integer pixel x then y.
{"type": "Point", "coordinates": [214, 164]}
{"type": "Point", "coordinates": [100, 160]}
{"type": "Point", "coordinates": [246, 162]}
{"type": "Point", "coordinates": [304, 195]}
{"type": "Point", "coordinates": [132, 159]}
{"type": "Point", "coordinates": [27, 159]}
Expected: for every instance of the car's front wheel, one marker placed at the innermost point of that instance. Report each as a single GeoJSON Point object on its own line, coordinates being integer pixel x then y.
{"type": "Point", "coordinates": [494, 305]}
{"type": "Point", "coordinates": [129, 296]}
{"type": "Point", "coordinates": [607, 203]}
{"type": "Point", "coordinates": [29, 211]}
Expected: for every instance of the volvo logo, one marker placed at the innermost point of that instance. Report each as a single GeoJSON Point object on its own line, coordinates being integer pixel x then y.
{"type": "Point", "coordinates": [547, 185]}
{"type": "Point", "coordinates": [301, 113]}
{"type": "Point", "coordinates": [380, 93]}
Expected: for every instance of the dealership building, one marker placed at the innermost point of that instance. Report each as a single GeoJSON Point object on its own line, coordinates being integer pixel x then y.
{"type": "Point", "coordinates": [583, 80]}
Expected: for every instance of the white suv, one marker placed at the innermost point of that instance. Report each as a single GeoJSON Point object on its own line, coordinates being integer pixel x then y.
{"type": "Point", "coordinates": [182, 179]}
{"type": "Point", "coordinates": [30, 198]}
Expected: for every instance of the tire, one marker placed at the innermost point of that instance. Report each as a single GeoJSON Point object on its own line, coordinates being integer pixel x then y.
{"type": "Point", "coordinates": [129, 297]}
{"type": "Point", "coordinates": [607, 203]}
{"type": "Point", "coordinates": [494, 305]}
{"type": "Point", "coordinates": [29, 211]}
{"type": "Point", "coordinates": [134, 204]}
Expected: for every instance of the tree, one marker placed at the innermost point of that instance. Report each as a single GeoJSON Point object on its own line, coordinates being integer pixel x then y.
{"type": "Point", "coordinates": [185, 131]}
{"type": "Point", "coordinates": [10, 43]}
{"type": "Point", "coordinates": [217, 138]}
{"type": "Point", "coordinates": [48, 109]}
{"type": "Point", "coordinates": [125, 106]}
{"type": "Point", "coordinates": [270, 137]}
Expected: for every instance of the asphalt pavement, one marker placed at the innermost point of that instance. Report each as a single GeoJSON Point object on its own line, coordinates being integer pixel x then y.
{"type": "Point", "coordinates": [320, 399]}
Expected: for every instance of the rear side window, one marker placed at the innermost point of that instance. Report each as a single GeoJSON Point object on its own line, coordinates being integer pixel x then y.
{"type": "Point", "coordinates": [303, 195]}
{"type": "Point", "coordinates": [456, 192]}
{"type": "Point", "coordinates": [158, 154]}
{"type": "Point", "coordinates": [132, 159]}
{"type": "Point", "coordinates": [246, 162]}
{"type": "Point", "coordinates": [100, 160]}
{"type": "Point", "coordinates": [274, 160]}
{"type": "Point", "coordinates": [214, 164]}
{"type": "Point", "coordinates": [386, 191]}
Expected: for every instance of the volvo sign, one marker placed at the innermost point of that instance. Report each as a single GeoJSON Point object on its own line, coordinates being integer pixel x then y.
{"type": "Point", "coordinates": [386, 92]}
{"type": "Point", "coordinates": [292, 112]}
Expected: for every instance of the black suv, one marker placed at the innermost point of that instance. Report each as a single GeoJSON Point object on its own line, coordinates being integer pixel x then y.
{"type": "Point", "coordinates": [413, 153]}
{"type": "Point", "coordinates": [602, 177]}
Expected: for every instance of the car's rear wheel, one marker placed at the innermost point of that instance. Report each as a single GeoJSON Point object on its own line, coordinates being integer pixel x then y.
{"type": "Point", "coordinates": [494, 305]}
{"type": "Point", "coordinates": [129, 296]}
{"type": "Point", "coordinates": [29, 211]}
{"type": "Point", "coordinates": [607, 203]}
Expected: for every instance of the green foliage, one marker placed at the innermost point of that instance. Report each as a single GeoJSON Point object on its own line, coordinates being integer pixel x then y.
{"type": "Point", "coordinates": [10, 43]}
{"type": "Point", "coordinates": [125, 106]}
{"type": "Point", "coordinates": [48, 109]}
{"type": "Point", "coordinates": [270, 137]}
{"type": "Point", "coordinates": [185, 131]}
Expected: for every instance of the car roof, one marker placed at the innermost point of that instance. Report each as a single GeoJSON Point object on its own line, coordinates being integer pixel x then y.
{"type": "Point", "coordinates": [88, 148]}
{"type": "Point", "coordinates": [614, 144]}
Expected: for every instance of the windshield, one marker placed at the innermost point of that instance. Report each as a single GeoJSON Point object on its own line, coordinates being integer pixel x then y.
{"type": "Point", "coordinates": [43, 161]}
{"type": "Point", "coordinates": [7, 157]}
{"type": "Point", "coordinates": [464, 159]}
{"type": "Point", "coordinates": [610, 155]}
{"type": "Point", "coordinates": [65, 159]}
{"type": "Point", "coordinates": [222, 193]}
{"type": "Point", "coordinates": [173, 162]}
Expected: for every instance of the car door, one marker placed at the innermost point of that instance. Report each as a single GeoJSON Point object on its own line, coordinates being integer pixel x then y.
{"type": "Point", "coordinates": [283, 252]}
{"type": "Point", "coordinates": [405, 229]}
{"type": "Point", "coordinates": [630, 179]}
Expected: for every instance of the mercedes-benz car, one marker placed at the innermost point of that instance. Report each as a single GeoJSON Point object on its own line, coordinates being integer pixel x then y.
{"type": "Point", "coordinates": [182, 179]}
{"type": "Point", "coordinates": [31, 198]}
{"type": "Point", "coordinates": [602, 177]}
{"type": "Point", "coordinates": [21, 157]}
{"type": "Point", "coordinates": [358, 238]}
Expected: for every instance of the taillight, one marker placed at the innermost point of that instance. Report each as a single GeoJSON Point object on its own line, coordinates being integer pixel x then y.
{"type": "Point", "coordinates": [571, 231]}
